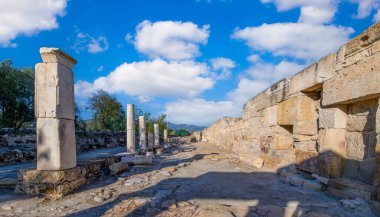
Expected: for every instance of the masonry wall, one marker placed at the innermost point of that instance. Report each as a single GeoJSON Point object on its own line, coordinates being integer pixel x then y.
{"type": "Point", "coordinates": [325, 119]}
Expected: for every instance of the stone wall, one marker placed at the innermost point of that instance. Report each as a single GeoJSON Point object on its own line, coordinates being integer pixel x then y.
{"type": "Point", "coordinates": [19, 145]}
{"type": "Point", "coordinates": [324, 119]}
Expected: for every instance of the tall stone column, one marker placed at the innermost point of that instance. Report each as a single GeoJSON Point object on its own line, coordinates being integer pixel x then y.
{"type": "Point", "coordinates": [131, 146]}
{"type": "Point", "coordinates": [156, 135]}
{"type": "Point", "coordinates": [54, 110]}
{"type": "Point", "coordinates": [166, 140]}
{"type": "Point", "coordinates": [142, 132]}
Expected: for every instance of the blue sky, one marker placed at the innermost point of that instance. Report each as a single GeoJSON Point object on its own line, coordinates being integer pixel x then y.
{"type": "Point", "coordinates": [197, 60]}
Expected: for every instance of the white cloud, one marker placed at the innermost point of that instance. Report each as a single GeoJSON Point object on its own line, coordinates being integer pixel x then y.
{"type": "Point", "coordinates": [204, 112]}
{"type": "Point", "coordinates": [28, 17]}
{"type": "Point", "coordinates": [297, 40]}
{"type": "Point", "coordinates": [199, 111]}
{"type": "Point", "coordinates": [91, 44]}
{"type": "Point", "coordinates": [100, 68]}
{"type": "Point", "coordinates": [152, 78]}
{"type": "Point", "coordinates": [223, 66]}
{"type": "Point", "coordinates": [144, 99]}
{"type": "Point", "coordinates": [170, 39]}
{"type": "Point", "coordinates": [98, 45]}
{"type": "Point", "coordinates": [312, 11]}
{"type": "Point", "coordinates": [365, 8]}
{"type": "Point", "coordinates": [253, 58]}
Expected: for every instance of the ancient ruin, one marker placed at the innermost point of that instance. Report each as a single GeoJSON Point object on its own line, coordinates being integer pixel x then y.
{"type": "Point", "coordinates": [324, 119]}
{"type": "Point", "coordinates": [306, 146]}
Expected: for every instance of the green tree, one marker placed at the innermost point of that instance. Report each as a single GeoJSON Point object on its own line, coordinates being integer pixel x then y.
{"type": "Point", "coordinates": [160, 120]}
{"type": "Point", "coordinates": [108, 113]}
{"type": "Point", "coordinates": [17, 95]}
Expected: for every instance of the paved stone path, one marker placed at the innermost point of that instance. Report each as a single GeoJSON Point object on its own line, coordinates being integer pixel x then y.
{"type": "Point", "coordinates": [190, 180]}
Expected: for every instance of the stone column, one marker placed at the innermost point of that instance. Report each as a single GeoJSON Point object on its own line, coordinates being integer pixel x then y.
{"type": "Point", "coordinates": [131, 146]}
{"type": "Point", "coordinates": [142, 132]}
{"type": "Point", "coordinates": [54, 111]}
{"type": "Point", "coordinates": [156, 135]}
{"type": "Point", "coordinates": [166, 140]}
{"type": "Point", "coordinates": [150, 140]}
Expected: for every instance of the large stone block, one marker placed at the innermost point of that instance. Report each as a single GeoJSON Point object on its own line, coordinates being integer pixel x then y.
{"type": "Point", "coordinates": [306, 160]}
{"type": "Point", "coordinates": [354, 83]}
{"type": "Point", "coordinates": [330, 165]}
{"type": "Point", "coordinates": [282, 142]}
{"type": "Point", "coordinates": [306, 145]}
{"type": "Point", "coordinates": [287, 112]}
{"type": "Point", "coordinates": [54, 96]}
{"type": "Point", "coordinates": [56, 148]}
{"type": "Point", "coordinates": [309, 128]}
{"type": "Point", "coordinates": [333, 140]}
{"type": "Point", "coordinates": [362, 116]}
{"type": "Point", "coordinates": [360, 145]}
{"type": "Point", "coordinates": [313, 75]}
{"type": "Point", "coordinates": [333, 117]}
{"type": "Point", "coordinates": [270, 116]}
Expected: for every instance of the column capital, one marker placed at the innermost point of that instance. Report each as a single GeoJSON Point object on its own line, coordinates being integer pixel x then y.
{"type": "Point", "coordinates": [55, 55]}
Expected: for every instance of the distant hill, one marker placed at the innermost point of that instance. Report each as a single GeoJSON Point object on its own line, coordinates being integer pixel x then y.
{"type": "Point", "coordinates": [187, 127]}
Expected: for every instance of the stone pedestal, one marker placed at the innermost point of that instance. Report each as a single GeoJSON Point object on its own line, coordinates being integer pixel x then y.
{"type": "Point", "coordinates": [131, 146]}
{"type": "Point", "coordinates": [156, 135]}
{"type": "Point", "coordinates": [54, 111]}
{"type": "Point", "coordinates": [142, 132]}
{"type": "Point", "coordinates": [166, 139]}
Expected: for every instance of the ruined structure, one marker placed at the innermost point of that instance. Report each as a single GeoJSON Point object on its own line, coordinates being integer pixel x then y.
{"type": "Point", "coordinates": [54, 111]}
{"type": "Point", "coordinates": [166, 135]}
{"type": "Point", "coordinates": [142, 132]}
{"type": "Point", "coordinates": [131, 144]}
{"type": "Point", "coordinates": [324, 119]}
{"type": "Point", "coordinates": [156, 135]}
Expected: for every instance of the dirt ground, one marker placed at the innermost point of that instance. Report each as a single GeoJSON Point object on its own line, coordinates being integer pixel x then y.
{"type": "Point", "coordinates": [189, 180]}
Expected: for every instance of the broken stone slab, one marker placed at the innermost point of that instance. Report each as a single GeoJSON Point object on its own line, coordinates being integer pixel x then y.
{"type": "Point", "coordinates": [161, 194]}
{"type": "Point", "coordinates": [258, 163]}
{"type": "Point", "coordinates": [312, 185]}
{"type": "Point", "coordinates": [138, 160]}
{"type": "Point", "coordinates": [8, 182]}
{"type": "Point", "coordinates": [118, 167]}
{"type": "Point", "coordinates": [133, 181]}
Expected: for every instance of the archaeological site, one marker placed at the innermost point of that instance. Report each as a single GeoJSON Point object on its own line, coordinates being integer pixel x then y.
{"type": "Point", "coordinates": [307, 144]}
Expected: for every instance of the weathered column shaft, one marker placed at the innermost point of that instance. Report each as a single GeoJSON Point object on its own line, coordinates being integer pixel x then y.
{"type": "Point", "coordinates": [156, 135]}
{"type": "Point", "coordinates": [131, 146]}
{"type": "Point", "coordinates": [142, 132]}
{"type": "Point", "coordinates": [54, 110]}
{"type": "Point", "coordinates": [150, 140]}
{"type": "Point", "coordinates": [166, 136]}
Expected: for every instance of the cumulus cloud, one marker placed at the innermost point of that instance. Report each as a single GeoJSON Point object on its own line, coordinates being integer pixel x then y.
{"type": "Point", "coordinates": [223, 66]}
{"type": "Point", "coordinates": [366, 7]}
{"type": "Point", "coordinates": [97, 45]}
{"type": "Point", "coordinates": [199, 111]}
{"type": "Point", "coordinates": [257, 78]}
{"type": "Point", "coordinates": [312, 11]}
{"type": "Point", "coordinates": [91, 44]}
{"type": "Point", "coordinates": [173, 40]}
{"type": "Point", "coordinates": [27, 17]}
{"type": "Point", "coordinates": [152, 78]}
{"type": "Point", "coordinates": [296, 40]}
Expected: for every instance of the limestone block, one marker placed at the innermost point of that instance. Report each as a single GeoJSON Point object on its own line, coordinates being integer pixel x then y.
{"type": "Point", "coordinates": [330, 165]}
{"type": "Point", "coordinates": [333, 140]}
{"type": "Point", "coordinates": [54, 91]}
{"type": "Point", "coordinates": [282, 142]}
{"type": "Point", "coordinates": [306, 145]}
{"type": "Point", "coordinates": [306, 160]}
{"type": "Point", "coordinates": [306, 109]}
{"type": "Point", "coordinates": [333, 117]}
{"type": "Point", "coordinates": [270, 116]}
{"type": "Point", "coordinates": [362, 116]}
{"type": "Point", "coordinates": [354, 83]}
{"type": "Point", "coordinates": [351, 168]}
{"type": "Point", "coordinates": [118, 167]}
{"type": "Point", "coordinates": [286, 112]}
{"type": "Point", "coordinates": [349, 188]}
{"type": "Point", "coordinates": [313, 75]}
{"type": "Point", "coordinates": [367, 170]}
{"type": "Point", "coordinates": [360, 145]}
{"type": "Point", "coordinates": [309, 128]}
{"type": "Point", "coordinates": [56, 148]}
{"type": "Point", "coordinates": [369, 36]}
